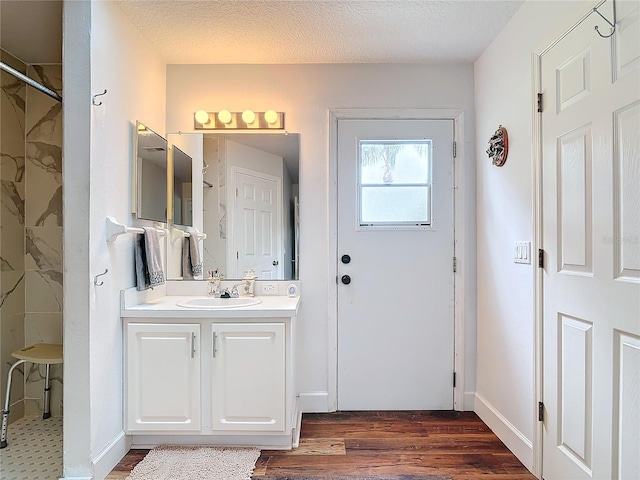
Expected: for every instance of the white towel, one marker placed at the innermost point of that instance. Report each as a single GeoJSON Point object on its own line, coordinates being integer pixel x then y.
{"type": "Point", "coordinates": [154, 257]}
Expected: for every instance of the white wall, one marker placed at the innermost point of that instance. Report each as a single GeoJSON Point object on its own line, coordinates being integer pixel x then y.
{"type": "Point", "coordinates": [504, 96]}
{"type": "Point", "coordinates": [97, 183]}
{"type": "Point", "coordinates": [306, 93]}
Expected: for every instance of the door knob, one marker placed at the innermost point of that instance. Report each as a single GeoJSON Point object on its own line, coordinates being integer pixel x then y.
{"type": "Point", "coordinates": [275, 262]}
{"type": "Point", "coordinates": [346, 279]}
{"type": "Point", "coordinates": [345, 259]}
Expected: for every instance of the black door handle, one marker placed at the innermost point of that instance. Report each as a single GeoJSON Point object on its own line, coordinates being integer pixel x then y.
{"type": "Point", "coordinates": [345, 259]}
{"type": "Point", "coordinates": [346, 279]}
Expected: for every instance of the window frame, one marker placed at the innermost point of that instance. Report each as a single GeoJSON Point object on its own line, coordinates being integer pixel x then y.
{"type": "Point", "coordinates": [395, 225]}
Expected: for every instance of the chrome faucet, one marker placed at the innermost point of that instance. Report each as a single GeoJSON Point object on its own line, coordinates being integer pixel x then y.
{"type": "Point", "coordinates": [234, 290]}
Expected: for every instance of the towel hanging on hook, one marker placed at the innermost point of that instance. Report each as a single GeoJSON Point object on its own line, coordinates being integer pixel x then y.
{"type": "Point", "coordinates": [612, 25]}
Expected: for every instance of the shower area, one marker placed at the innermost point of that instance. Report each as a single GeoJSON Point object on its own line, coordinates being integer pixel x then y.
{"type": "Point", "coordinates": [30, 235]}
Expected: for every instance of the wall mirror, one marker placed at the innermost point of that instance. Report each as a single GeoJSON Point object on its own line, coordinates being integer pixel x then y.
{"type": "Point", "coordinates": [182, 188]}
{"type": "Point", "coordinates": [149, 174]}
{"type": "Point", "coordinates": [250, 203]}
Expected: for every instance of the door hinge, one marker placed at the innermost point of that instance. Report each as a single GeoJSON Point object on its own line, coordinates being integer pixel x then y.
{"type": "Point", "coordinates": [236, 193]}
{"type": "Point", "coordinates": [237, 255]}
{"type": "Point", "coordinates": [540, 258]}
{"type": "Point", "coordinates": [455, 264]}
{"type": "Point", "coordinates": [454, 379]}
{"type": "Point", "coordinates": [455, 149]}
{"type": "Point", "coordinates": [540, 412]}
{"type": "Point", "coordinates": [539, 103]}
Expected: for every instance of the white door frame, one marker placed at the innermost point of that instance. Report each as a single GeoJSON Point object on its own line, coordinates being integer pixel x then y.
{"type": "Point", "coordinates": [536, 71]}
{"type": "Point", "coordinates": [461, 277]}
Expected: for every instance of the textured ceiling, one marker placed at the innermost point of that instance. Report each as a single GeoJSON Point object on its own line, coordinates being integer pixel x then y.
{"type": "Point", "coordinates": [319, 31]}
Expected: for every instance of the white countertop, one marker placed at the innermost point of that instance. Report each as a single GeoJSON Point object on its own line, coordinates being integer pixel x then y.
{"type": "Point", "coordinates": [165, 307]}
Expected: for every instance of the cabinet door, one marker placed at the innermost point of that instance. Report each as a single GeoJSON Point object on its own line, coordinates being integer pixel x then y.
{"type": "Point", "coordinates": [163, 377]}
{"type": "Point", "coordinates": [248, 385]}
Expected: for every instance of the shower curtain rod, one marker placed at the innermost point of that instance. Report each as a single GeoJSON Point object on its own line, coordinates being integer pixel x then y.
{"type": "Point", "coordinates": [30, 81]}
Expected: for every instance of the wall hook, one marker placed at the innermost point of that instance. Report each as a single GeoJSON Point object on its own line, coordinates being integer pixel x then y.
{"type": "Point", "coordinates": [97, 104]}
{"type": "Point", "coordinates": [95, 279]}
{"type": "Point", "coordinates": [612, 25]}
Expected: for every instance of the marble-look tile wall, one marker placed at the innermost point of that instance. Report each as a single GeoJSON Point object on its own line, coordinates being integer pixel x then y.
{"type": "Point", "coordinates": [12, 208]}
{"type": "Point", "coordinates": [43, 231]}
{"type": "Point", "coordinates": [30, 229]}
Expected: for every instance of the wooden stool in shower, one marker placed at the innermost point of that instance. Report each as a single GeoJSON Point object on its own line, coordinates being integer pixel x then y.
{"type": "Point", "coordinates": [40, 353]}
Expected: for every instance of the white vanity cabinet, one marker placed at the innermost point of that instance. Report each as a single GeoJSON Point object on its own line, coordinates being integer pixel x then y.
{"type": "Point", "coordinates": [162, 377]}
{"type": "Point", "coordinates": [210, 376]}
{"type": "Point", "coordinates": [248, 377]}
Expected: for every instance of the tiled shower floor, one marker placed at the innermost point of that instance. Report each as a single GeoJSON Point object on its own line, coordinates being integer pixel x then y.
{"type": "Point", "coordinates": [34, 451]}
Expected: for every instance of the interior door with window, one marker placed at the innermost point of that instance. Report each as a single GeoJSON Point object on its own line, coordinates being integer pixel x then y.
{"type": "Point", "coordinates": [591, 232]}
{"type": "Point", "coordinates": [395, 264]}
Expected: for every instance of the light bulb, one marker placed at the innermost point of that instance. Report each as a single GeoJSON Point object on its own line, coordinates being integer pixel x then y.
{"type": "Point", "coordinates": [271, 116]}
{"type": "Point", "coordinates": [202, 117]}
{"type": "Point", "coordinates": [248, 116]}
{"type": "Point", "coordinates": [224, 116]}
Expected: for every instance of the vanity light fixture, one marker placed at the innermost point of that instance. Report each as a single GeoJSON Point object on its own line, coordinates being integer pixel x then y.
{"type": "Point", "coordinates": [224, 116]}
{"type": "Point", "coordinates": [202, 116]}
{"type": "Point", "coordinates": [271, 116]}
{"type": "Point", "coordinates": [248, 117]}
{"type": "Point", "coordinates": [246, 120]}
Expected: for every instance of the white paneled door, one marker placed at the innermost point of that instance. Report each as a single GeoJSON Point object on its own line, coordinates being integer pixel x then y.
{"type": "Point", "coordinates": [591, 239]}
{"type": "Point", "coordinates": [256, 223]}
{"type": "Point", "coordinates": [395, 264]}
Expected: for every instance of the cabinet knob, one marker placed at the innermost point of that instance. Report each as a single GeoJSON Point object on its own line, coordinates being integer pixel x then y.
{"type": "Point", "coordinates": [346, 279]}
{"type": "Point", "coordinates": [345, 259]}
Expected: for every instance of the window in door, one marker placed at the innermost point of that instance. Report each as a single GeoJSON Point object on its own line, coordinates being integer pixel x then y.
{"type": "Point", "coordinates": [394, 188]}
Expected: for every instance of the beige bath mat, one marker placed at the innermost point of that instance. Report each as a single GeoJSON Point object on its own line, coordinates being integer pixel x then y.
{"type": "Point", "coordinates": [195, 463]}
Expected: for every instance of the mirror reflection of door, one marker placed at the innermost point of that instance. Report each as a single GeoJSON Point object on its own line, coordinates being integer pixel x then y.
{"type": "Point", "coordinates": [273, 154]}
{"type": "Point", "coordinates": [254, 240]}
{"type": "Point", "coordinates": [232, 229]}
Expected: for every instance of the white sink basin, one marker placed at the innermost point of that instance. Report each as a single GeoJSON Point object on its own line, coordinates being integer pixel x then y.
{"type": "Point", "coordinates": [213, 303]}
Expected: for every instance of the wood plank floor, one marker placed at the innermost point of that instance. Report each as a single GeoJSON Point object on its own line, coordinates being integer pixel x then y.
{"type": "Point", "coordinates": [383, 446]}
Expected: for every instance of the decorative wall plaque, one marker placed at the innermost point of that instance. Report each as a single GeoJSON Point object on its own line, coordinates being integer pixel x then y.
{"type": "Point", "coordinates": [499, 147]}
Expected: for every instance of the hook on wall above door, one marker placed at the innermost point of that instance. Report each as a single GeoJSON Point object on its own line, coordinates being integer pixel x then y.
{"type": "Point", "coordinates": [612, 25]}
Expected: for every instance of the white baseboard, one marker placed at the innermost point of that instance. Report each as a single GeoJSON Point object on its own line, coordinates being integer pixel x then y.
{"type": "Point", "coordinates": [110, 455]}
{"type": "Point", "coordinates": [469, 401]}
{"type": "Point", "coordinates": [515, 441]}
{"type": "Point", "coordinates": [313, 402]}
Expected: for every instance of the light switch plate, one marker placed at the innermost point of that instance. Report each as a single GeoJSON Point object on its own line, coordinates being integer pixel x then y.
{"type": "Point", "coordinates": [522, 252]}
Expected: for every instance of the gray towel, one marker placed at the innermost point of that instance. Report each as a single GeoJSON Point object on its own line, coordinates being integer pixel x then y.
{"type": "Point", "coordinates": [187, 272]}
{"type": "Point", "coordinates": [194, 252]}
{"type": "Point", "coordinates": [140, 257]}
{"type": "Point", "coordinates": [154, 257]}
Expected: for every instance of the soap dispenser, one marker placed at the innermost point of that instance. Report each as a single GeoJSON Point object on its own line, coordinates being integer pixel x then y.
{"type": "Point", "coordinates": [249, 281]}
